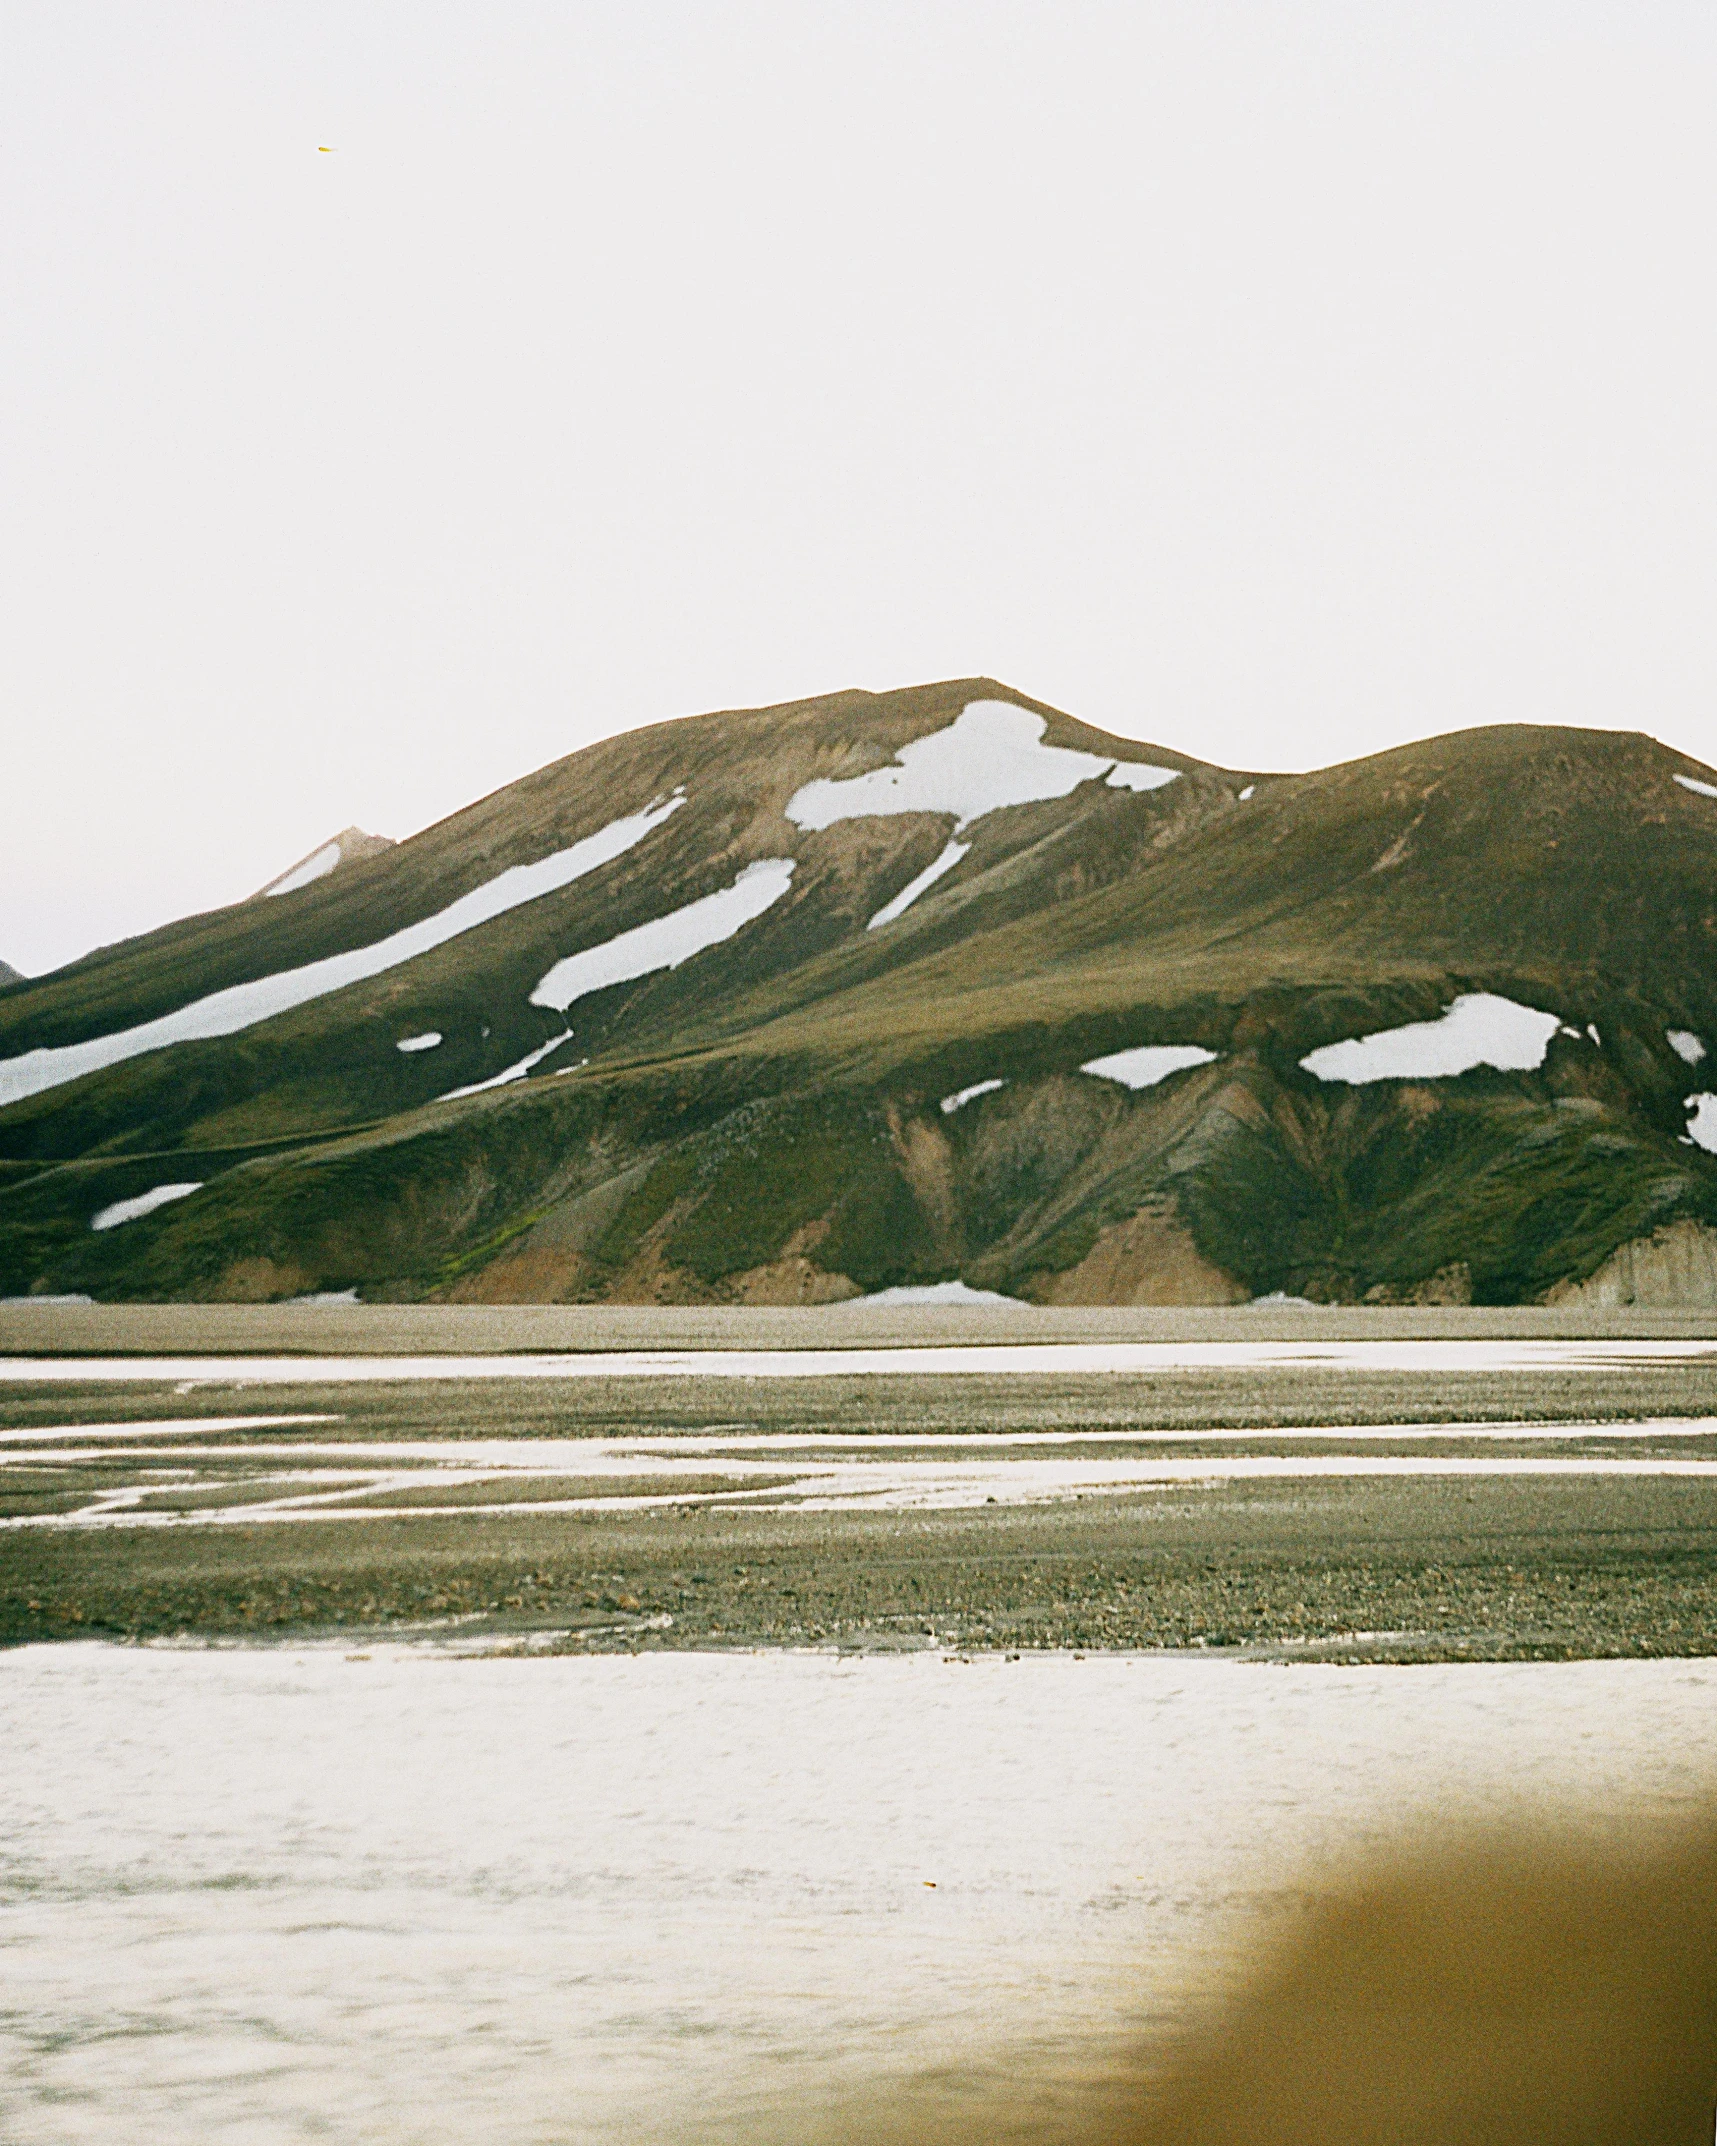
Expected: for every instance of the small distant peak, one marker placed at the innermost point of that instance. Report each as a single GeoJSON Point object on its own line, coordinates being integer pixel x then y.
{"type": "Point", "coordinates": [344, 848]}
{"type": "Point", "coordinates": [10, 975]}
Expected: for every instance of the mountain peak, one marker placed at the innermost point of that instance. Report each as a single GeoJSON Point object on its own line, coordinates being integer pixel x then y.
{"type": "Point", "coordinates": [900, 989]}
{"type": "Point", "coordinates": [344, 848]}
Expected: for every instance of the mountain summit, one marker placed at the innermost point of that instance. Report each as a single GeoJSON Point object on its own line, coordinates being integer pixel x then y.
{"type": "Point", "coordinates": [791, 1004]}
{"type": "Point", "coordinates": [349, 843]}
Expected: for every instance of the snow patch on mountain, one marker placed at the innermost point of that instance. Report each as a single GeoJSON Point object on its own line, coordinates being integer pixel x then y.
{"type": "Point", "coordinates": [668, 940]}
{"type": "Point", "coordinates": [1704, 789]}
{"type": "Point", "coordinates": [915, 887]}
{"type": "Point", "coordinates": [963, 1096]}
{"type": "Point", "coordinates": [1148, 1063]}
{"type": "Point", "coordinates": [1139, 775]}
{"type": "Point", "coordinates": [350, 843]}
{"type": "Point", "coordinates": [991, 755]}
{"type": "Point", "coordinates": [426, 1042]}
{"type": "Point", "coordinates": [1685, 1044]}
{"type": "Point", "coordinates": [509, 1074]}
{"type": "Point", "coordinates": [224, 1013]}
{"type": "Point", "coordinates": [316, 866]}
{"type": "Point", "coordinates": [1702, 1126]}
{"type": "Point", "coordinates": [144, 1204]}
{"type": "Point", "coordinates": [1479, 1029]}
{"type": "Point", "coordinates": [941, 1293]}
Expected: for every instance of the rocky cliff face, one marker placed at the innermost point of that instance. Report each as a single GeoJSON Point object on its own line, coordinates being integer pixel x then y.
{"type": "Point", "coordinates": [788, 1004]}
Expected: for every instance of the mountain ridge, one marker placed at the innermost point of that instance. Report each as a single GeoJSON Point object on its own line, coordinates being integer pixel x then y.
{"type": "Point", "coordinates": [966, 888]}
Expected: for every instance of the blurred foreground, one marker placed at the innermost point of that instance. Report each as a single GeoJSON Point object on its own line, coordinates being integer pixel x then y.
{"type": "Point", "coordinates": [399, 1895]}
{"type": "Point", "coordinates": [1526, 1987]}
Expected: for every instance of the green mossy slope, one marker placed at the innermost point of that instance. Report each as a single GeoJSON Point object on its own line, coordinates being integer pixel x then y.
{"type": "Point", "coordinates": [766, 1115]}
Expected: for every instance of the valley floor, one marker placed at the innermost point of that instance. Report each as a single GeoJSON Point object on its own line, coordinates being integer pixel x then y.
{"type": "Point", "coordinates": [1403, 1487]}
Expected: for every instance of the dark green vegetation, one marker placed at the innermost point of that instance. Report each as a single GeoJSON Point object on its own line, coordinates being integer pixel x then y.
{"type": "Point", "coordinates": [762, 1124]}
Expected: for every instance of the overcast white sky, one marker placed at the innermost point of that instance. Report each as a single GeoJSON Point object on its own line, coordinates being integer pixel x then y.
{"type": "Point", "coordinates": [1276, 381]}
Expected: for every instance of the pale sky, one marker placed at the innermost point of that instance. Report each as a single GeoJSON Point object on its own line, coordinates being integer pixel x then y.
{"type": "Point", "coordinates": [1273, 381]}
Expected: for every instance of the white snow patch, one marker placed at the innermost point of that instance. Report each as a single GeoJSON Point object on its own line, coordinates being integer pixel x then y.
{"type": "Point", "coordinates": [321, 1296]}
{"type": "Point", "coordinates": [1247, 792]}
{"type": "Point", "coordinates": [963, 1096]}
{"type": "Point", "coordinates": [316, 866]}
{"type": "Point", "coordinates": [1592, 1031]}
{"type": "Point", "coordinates": [1702, 1126]}
{"type": "Point", "coordinates": [1139, 775]}
{"type": "Point", "coordinates": [915, 887]}
{"type": "Point", "coordinates": [426, 1042]}
{"type": "Point", "coordinates": [668, 940]}
{"type": "Point", "coordinates": [224, 1013]}
{"type": "Point", "coordinates": [1479, 1029]}
{"type": "Point", "coordinates": [1705, 789]}
{"type": "Point", "coordinates": [72, 1298]}
{"type": "Point", "coordinates": [1281, 1296]}
{"type": "Point", "coordinates": [1685, 1044]}
{"type": "Point", "coordinates": [1148, 1063]}
{"type": "Point", "coordinates": [510, 1073]}
{"type": "Point", "coordinates": [942, 1293]}
{"type": "Point", "coordinates": [144, 1204]}
{"type": "Point", "coordinates": [991, 755]}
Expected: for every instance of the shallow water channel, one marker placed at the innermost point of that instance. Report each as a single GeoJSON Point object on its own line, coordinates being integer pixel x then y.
{"type": "Point", "coordinates": [282, 1894]}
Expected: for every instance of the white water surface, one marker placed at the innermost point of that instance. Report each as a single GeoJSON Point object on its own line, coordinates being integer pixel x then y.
{"type": "Point", "coordinates": [991, 755]}
{"type": "Point", "coordinates": [1479, 1029]}
{"type": "Point", "coordinates": [224, 1013]}
{"type": "Point", "coordinates": [276, 1895]}
{"type": "Point", "coordinates": [183, 1476]}
{"type": "Point", "coordinates": [980, 1359]}
{"type": "Point", "coordinates": [97, 1435]}
{"type": "Point", "coordinates": [592, 1453]}
{"type": "Point", "coordinates": [144, 1203]}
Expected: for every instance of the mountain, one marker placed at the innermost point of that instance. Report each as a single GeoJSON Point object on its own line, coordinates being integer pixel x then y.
{"type": "Point", "coordinates": [794, 1003]}
{"type": "Point", "coordinates": [349, 844]}
{"type": "Point", "coordinates": [9, 975]}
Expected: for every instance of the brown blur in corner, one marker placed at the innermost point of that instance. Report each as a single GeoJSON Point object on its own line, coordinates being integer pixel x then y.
{"type": "Point", "coordinates": [1520, 1989]}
